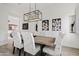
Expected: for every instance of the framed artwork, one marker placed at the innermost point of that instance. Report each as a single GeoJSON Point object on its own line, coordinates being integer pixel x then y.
{"type": "Point", "coordinates": [25, 26]}
{"type": "Point", "coordinates": [36, 27]}
{"type": "Point", "coordinates": [56, 24]}
{"type": "Point", "coordinates": [45, 25]}
{"type": "Point", "coordinates": [10, 27]}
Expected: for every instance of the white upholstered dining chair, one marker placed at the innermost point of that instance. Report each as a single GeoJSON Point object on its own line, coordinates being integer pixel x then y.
{"type": "Point", "coordinates": [29, 44]}
{"type": "Point", "coordinates": [57, 49]}
{"type": "Point", "coordinates": [17, 41]}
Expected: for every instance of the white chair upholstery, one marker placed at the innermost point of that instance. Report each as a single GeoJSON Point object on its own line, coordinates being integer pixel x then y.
{"type": "Point", "coordinates": [57, 50]}
{"type": "Point", "coordinates": [29, 43]}
{"type": "Point", "coordinates": [17, 39]}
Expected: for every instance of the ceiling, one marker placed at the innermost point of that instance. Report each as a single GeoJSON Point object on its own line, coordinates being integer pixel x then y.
{"type": "Point", "coordinates": [48, 9]}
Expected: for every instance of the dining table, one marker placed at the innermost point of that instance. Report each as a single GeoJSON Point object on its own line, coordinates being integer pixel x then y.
{"type": "Point", "coordinates": [44, 41]}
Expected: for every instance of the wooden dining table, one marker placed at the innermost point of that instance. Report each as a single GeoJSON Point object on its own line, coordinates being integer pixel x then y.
{"type": "Point", "coordinates": [44, 41]}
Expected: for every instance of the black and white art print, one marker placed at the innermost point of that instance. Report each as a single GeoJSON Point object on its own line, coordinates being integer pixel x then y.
{"type": "Point", "coordinates": [45, 25]}
{"type": "Point", "coordinates": [56, 24]}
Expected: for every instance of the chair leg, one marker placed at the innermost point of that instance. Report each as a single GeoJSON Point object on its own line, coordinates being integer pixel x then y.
{"type": "Point", "coordinates": [60, 54]}
{"type": "Point", "coordinates": [41, 50]}
{"type": "Point", "coordinates": [19, 52]}
{"type": "Point", "coordinates": [13, 50]}
{"type": "Point", "coordinates": [24, 53]}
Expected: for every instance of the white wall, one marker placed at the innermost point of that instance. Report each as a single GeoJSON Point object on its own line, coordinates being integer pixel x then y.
{"type": "Point", "coordinates": [3, 25]}
{"type": "Point", "coordinates": [77, 18]}
{"type": "Point", "coordinates": [71, 40]}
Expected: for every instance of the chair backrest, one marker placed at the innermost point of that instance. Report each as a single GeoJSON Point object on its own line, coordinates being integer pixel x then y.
{"type": "Point", "coordinates": [58, 43]}
{"type": "Point", "coordinates": [17, 39]}
{"type": "Point", "coordinates": [29, 44]}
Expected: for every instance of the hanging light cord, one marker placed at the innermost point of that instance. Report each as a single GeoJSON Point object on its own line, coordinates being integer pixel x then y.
{"type": "Point", "coordinates": [35, 6]}
{"type": "Point", "coordinates": [35, 9]}
{"type": "Point", "coordinates": [30, 7]}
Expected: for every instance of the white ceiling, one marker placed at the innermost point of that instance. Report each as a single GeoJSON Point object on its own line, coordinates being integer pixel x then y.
{"type": "Point", "coordinates": [48, 9]}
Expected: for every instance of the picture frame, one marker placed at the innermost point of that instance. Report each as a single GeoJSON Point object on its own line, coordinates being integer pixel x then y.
{"type": "Point", "coordinates": [45, 25]}
{"type": "Point", "coordinates": [25, 26]}
{"type": "Point", "coordinates": [56, 24]}
{"type": "Point", "coordinates": [36, 27]}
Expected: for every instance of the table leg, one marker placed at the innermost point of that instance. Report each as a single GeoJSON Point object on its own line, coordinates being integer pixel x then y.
{"type": "Point", "coordinates": [41, 50]}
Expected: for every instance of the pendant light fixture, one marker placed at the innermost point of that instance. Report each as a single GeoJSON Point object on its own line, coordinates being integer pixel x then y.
{"type": "Point", "coordinates": [35, 15]}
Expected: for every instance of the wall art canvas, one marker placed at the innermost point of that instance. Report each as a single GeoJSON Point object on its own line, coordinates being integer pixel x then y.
{"type": "Point", "coordinates": [25, 26]}
{"type": "Point", "coordinates": [56, 24]}
{"type": "Point", "coordinates": [36, 27]}
{"type": "Point", "coordinates": [45, 25]}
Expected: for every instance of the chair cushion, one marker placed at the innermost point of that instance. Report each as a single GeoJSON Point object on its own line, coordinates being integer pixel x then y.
{"type": "Point", "coordinates": [37, 49]}
{"type": "Point", "coordinates": [18, 45]}
{"type": "Point", "coordinates": [49, 50]}
{"type": "Point", "coordinates": [52, 51]}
